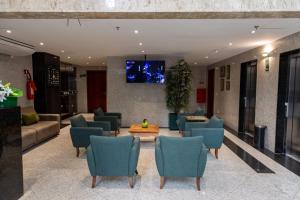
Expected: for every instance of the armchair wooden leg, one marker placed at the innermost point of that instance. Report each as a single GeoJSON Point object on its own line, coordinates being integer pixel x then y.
{"type": "Point", "coordinates": [198, 183]}
{"type": "Point", "coordinates": [77, 152]}
{"type": "Point", "coordinates": [116, 133]}
{"type": "Point", "coordinates": [130, 182]}
{"type": "Point", "coordinates": [136, 172]}
{"type": "Point", "coordinates": [94, 182]}
{"type": "Point", "coordinates": [217, 153]}
{"type": "Point", "coordinates": [162, 182]}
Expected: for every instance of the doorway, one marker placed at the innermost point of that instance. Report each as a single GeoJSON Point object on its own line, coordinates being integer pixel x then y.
{"type": "Point", "coordinates": [96, 90]}
{"type": "Point", "coordinates": [210, 92]}
{"type": "Point", "coordinates": [247, 98]}
{"type": "Point", "coordinates": [289, 103]}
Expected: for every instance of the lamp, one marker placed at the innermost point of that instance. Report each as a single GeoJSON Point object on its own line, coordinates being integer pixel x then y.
{"type": "Point", "coordinates": [267, 50]}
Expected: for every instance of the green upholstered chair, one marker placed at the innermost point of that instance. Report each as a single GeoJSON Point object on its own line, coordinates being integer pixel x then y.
{"type": "Point", "coordinates": [113, 156]}
{"type": "Point", "coordinates": [81, 130]}
{"type": "Point", "coordinates": [211, 131]}
{"type": "Point", "coordinates": [113, 117]}
{"type": "Point", "coordinates": [180, 157]}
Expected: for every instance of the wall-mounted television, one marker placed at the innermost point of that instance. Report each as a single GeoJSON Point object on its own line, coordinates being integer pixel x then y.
{"type": "Point", "coordinates": [145, 71]}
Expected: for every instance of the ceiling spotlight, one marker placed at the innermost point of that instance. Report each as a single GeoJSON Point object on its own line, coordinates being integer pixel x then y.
{"type": "Point", "coordinates": [265, 54]}
{"type": "Point", "coordinates": [230, 44]}
{"type": "Point", "coordinates": [8, 31]}
{"type": "Point", "coordinates": [87, 63]}
{"type": "Point", "coordinates": [253, 31]}
{"type": "Point", "coordinates": [195, 63]}
{"type": "Point", "coordinates": [68, 57]}
{"type": "Point", "coordinates": [140, 44]}
{"type": "Point", "coordinates": [90, 57]}
{"type": "Point", "coordinates": [103, 63]}
{"type": "Point", "coordinates": [143, 51]}
{"type": "Point", "coordinates": [42, 43]}
{"type": "Point", "coordinates": [136, 31]}
{"type": "Point", "coordinates": [62, 51]}
{"type": "Point", "coordinates": [206, 57]}
{"type": "Point", "coordinates": [216, 51]}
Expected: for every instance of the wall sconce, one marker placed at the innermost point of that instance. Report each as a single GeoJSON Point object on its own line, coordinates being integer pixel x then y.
{"type": "Point", "coordinates": [267, 50]}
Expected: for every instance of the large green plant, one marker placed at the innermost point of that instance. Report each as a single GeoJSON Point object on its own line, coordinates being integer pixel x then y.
{"type": "Point", "coordinates": [178, 86]}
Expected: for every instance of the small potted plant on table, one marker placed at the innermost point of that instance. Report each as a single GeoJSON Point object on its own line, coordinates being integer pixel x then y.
{"type": "Point", "coordinates": [9, 96]}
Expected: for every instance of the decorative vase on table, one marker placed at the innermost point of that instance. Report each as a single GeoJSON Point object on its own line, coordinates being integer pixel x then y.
{"type": "Point", "coordinates": [145, 123]}
{"type": "Point", "coordinates": [9, 95]}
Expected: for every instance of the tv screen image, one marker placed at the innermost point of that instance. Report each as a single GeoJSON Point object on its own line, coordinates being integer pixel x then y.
{"type": "Point", "coordinates": [149, 71]}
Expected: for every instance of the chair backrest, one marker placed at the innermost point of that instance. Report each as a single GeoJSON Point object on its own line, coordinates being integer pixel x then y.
{"type": "Point", "coordinates": [199, 112]}
{"type": "Point", "coordinates": [215, 122]}
{"type": "Point", "coordinates": [112, 154]}
{"type": "Point", "coordinates": [78, 121]}
{"type": "Point", "coordinates": [99, 112]}
{"type": "Point", "coordinates": [180, 155]}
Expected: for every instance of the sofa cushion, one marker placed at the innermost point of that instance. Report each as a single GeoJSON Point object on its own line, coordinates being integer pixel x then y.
{"type": "Point", "coordinates": [78, 121]}
{"type": "Point", "coordinates": [27, 110]}
{"type": "Point", "coordinates": [28, 137]}
{"type": "Point", "coordinates": [99, 112]}
{"type": "Point", "coordinates": [29, 118]}
{"type": "Point", "coordinates": [46, 129]}
{"type": "Point", "coordinates": [215, 122]}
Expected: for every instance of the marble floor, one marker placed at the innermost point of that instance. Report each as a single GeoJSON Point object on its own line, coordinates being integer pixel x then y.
{"type": "Point", "coordinates": [52, 171]}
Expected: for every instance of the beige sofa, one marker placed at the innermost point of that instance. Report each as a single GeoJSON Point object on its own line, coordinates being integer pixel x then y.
{"type": "Point", "coordinates": [47, 127]}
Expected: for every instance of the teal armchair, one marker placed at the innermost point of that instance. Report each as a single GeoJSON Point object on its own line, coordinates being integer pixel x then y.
{"type": "Point", "coordinates": [180, 157]}
{"type": "Point", "coordinates": [181, 118]}
{"type": "Point", "coordinates": [81, 130]}
{"type": "Point", "coordinates": [113, 118]}
{"type": "Point", "coordinates": [211, 131]}
{"type": "Point", "coordinates": [110, 156]}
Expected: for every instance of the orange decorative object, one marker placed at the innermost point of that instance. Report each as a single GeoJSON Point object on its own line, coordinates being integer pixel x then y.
{"type": "Point", "coordinates": [201, 95]}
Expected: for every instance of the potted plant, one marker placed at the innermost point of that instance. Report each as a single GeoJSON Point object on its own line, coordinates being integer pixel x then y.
{"type": "Point", "coordinates": [178, 90]}
{"type": "Point", "coordinates": [8, 95]}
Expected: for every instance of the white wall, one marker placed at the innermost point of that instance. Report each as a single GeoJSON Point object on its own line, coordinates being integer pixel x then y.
{"type": "Point", "coordinates": [12, 71]}
{"type": "Point", "coordinates": [137, 101]}
{"type": "Point", "coordinates": [227, 102]}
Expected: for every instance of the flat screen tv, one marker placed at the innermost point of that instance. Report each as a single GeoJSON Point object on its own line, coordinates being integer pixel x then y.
{"type": "Point", "coordinates": [145, 71]}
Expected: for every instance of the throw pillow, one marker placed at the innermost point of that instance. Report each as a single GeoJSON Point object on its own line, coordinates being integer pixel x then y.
{"type": "Point", "coordinates": [99, 112]}
{"type": "Point", "coordinates": [29, 118]}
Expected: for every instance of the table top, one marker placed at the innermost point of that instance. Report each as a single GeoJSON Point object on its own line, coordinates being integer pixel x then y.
{"type": "Point", "coordinates": [137, 128]}
{"type": "Point", "coordinates": [196, 118]}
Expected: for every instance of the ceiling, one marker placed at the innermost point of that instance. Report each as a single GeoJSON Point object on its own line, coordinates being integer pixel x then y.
{"type": "Point", "coordinates": [90, 43]}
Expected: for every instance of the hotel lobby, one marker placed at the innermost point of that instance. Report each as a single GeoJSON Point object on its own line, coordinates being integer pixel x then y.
{"type": "Point", "coordinates": [149, 100]}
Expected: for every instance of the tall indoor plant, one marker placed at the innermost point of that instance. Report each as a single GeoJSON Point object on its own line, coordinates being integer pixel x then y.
{"type": "Point", "coordinates": [8, 95]}
{"type": "Point", "coordinates": [178, 90]}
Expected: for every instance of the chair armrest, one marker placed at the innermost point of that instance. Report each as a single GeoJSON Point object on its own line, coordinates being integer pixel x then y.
{"type": "Point", "coordinates": [202, 161]}
{"type": "Point", "coordinates": [119, 115]}
{"type": "Point", "coordinates": [81, 135]}
{"type": "Point", "coordinates": [134, 156]}
{"type": "Point", "coordinates": [158, 157]}
{"type": "Point", "coordinates": [212, 137]}
{"type": "Point", "coordinates": [49, 117]}
{"type": "Point", "coordinates": [101, 124]}
{"type": "Point", "coordinates": [91, 161]}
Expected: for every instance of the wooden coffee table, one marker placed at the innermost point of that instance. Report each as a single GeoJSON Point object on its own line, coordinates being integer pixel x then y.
{"type": "Point", "coordinates": [145, 134]}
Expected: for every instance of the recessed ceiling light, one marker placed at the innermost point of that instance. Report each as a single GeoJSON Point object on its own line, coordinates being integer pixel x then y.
{"type": "Point", "coordinates": [90, 57]}
{"type": "Point", "coordinates": [206, 57]}
{"type": "Point", "coordinates": [62, 51]}
{"type": "Point", "coordinates": [8, 31]}
{"type": "Point", "coordinates": [136, 31]}
{"type": "Point", "coordinates": [195, 63]}
{"type": "Point", "coordinates": [216, 51]}
{"type": "Point", "coordinates": [68, 57]}
{"type": "Point", "coordinates": [103, 63]}
{"type": "Point", "coordinates": [143, 51]}
{"type": "Point", "coordinates": [42, 43]}
{"type": "Point", "coordinates": [265, 54]}
{"type": "Point", "coordinates": [230, 44]}
{"type": "Point", "coordinates": [253, 31]}
{"type": "Point", "coordinates": [140, 43]}
{"type": "Point", "coordinates": [87, 63]}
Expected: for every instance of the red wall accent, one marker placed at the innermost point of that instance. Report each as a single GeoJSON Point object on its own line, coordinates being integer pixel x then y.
{"type": "Point", "coordinates": [201, 95]}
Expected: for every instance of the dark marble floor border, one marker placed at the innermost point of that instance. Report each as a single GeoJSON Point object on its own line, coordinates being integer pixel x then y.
{"type": "Point", "coordinates": [286, 161]}
{"type": "Point", "coordinates": [255, 164]}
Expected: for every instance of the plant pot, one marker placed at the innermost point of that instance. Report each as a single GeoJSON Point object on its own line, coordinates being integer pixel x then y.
{"type": "Point", "coordinates": [172, 121]}
{"type": "Point", "coordinates": [9, 102]}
